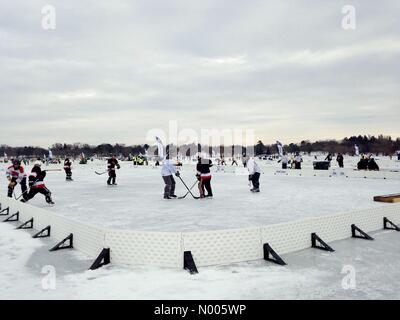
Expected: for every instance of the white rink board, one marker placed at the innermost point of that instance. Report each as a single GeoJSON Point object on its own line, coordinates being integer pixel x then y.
{"type": "Point", "coordinates": [208, 247]}
{"type": "Point", "coordinates": [88, 239]}
{"type": "Point", "coordinates": [223, 246]}
{"type": "Point", "coordinates": [288, 237]}
{"type": "Point", "coordinates": [335, 173]}
{"type": "Point", "coordinates": [141, 248]}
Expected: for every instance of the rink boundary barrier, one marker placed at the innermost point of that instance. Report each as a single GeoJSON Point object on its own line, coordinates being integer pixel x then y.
{"type": "Point", "coordinates": [335, 173]}
{"type": "Point", "coordinates": [207, 248]}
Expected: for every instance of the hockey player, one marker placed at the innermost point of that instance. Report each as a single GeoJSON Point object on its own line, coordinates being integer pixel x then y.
{"type": "Point", "coordinates": [285, 161]}
{"type": "Point", "coordinates": [67, 169]}
{"type": "Point", "coordinates": [204, 176]}
{"type": "Point", "coordinates": [244, 159]}
{"type": "Point", "coordinates": [112, 164]}
{"type": "Point", "coordinates": [372, 165]}
{"type": "Point", "coordinates": [254, 174]}
{"type": "Point", "coordinates": [363, 163]}
{"type": "Point", "coordinates": [36, 184]}
{"type": "Point", "coordinates": [297, 161]}
{"type": "Point", "coordinates": [340, 160]}
{"type": "Point", "coordinates": [168, 170]}
{"type": "Point", "coordinates": [16, 174]}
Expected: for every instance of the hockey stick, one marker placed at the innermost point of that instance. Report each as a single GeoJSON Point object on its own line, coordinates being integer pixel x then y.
{"type": "Point", "coordinates": [188, 191]}
{"type": "Point", "coordinates": [17, 198]}
{"type": "Point", "coordinates": [188, 188]}
{"type": "Point", "coordinates": [100, 173]}
{"type": "Point", "coordinates": [52, 170]}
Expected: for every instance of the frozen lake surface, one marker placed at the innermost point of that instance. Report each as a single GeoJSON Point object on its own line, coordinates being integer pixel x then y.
{"type": "Point", "coordinates": [137, 203]}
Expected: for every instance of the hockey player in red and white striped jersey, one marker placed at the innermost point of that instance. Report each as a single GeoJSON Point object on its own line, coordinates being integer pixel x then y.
{"type": "Point", "coordinates": [16, 174]}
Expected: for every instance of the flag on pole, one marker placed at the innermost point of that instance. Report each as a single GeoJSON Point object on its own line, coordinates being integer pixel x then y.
{"type": "Point", "coordinates": [357, 150]}
{"type": "Point", "coordinates": [160, 147]}
{"type": "Point", "coordinates": [280, 148]}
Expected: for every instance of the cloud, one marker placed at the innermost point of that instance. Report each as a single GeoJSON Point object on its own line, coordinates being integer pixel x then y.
{"type": "Point", "coordinates": [114, 71]}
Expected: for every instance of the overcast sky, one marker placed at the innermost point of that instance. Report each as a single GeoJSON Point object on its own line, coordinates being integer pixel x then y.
{"type": "Point", "coordinates": [113, 70]}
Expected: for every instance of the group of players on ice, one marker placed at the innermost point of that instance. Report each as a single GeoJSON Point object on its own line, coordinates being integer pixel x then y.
{"type": "Point", "coordinates": [169, 169]}
{"type": "Point", "coordinates": [16, 175]}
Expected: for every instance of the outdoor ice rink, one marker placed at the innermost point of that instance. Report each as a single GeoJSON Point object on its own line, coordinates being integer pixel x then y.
{"type": "Point", "coordinates": [137, 203]}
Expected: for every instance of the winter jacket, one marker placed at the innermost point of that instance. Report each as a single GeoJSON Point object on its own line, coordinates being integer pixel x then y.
{"type": "Point", "coordinates": [36, 178]}
{"type": "Point", "coordinates": [112, 163]}
{"type": "Point", "coordinates": [168, 168]}
{"type": "Point", "coordinates": [253, 167]}
{"type": "Point", "coordinates": [16, 174]}
{"type": "Point", "coordinates": [67, 164]}
{"type": "Point", "coordinates": [203, 168]}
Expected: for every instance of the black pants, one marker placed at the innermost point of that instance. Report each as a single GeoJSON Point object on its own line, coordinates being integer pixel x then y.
{"type": "Point", "coordinates": [284, 165]}
{"type": "Point", "coordinates": [297, 165]}
{"type": "Point", "coordinates": [205, 184]}
{"type": "Point", "coordinates": [340, 164]}
{"type": "Point", "coordinates": [255, 180]}
{"type": "Point", "coordinates": [23, 189]}
{"type": "Point", "coordinates": [169, 189]}
{"type": "Point", "coordinates": [111, 177]}
{"type": "Point", "coordinates": [68, 173]}
{"type": "Point", "coordinates": [34, 191]}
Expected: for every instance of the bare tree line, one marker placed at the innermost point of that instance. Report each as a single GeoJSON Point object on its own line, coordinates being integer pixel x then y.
{"type": "Point", "coordinates": [383, 145]}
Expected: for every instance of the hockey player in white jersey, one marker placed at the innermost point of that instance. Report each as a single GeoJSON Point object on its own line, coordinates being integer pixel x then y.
{"type": "Point", "coordinates": [168, 171]}
{"type": "Point", "coordinates": [254, 174]}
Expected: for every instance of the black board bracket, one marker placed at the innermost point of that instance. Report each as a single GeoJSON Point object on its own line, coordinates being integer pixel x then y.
{"type": "Point", "coordinates": [66, 243]}
{"type": "Point", "coordinates": [272, 256]}
{"type": "Point", "coordinates": [188, 262]}
{"type": "Point", "coordinates": [356, 232]}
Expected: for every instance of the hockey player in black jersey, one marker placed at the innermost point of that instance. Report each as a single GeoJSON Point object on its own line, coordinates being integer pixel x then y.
{"type": "Point", "coordinates": [67, 169]}
{"type": "Point", "coordinates": [36, 184]}
{"type": "Point", "coordinates": [204, 177]}
{"type": "Point", "coordinates": [112, 164]}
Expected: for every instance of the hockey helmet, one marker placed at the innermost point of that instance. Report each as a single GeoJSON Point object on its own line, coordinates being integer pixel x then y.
{"type": "Point", "coordinates": [37, 163]}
